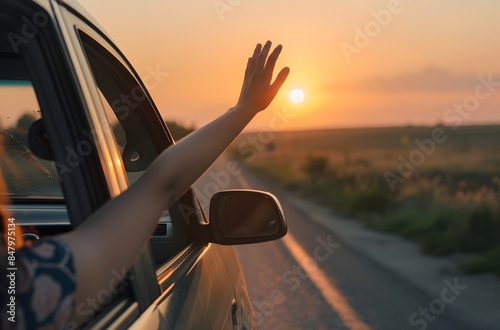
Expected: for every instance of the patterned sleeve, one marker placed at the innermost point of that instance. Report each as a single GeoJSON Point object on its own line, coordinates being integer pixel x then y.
{"type": "Point", "coordinates": [46, 285]}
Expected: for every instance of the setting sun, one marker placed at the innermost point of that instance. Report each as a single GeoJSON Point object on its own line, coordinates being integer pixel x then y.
{"type": "Point", "coordinates": [372, 72]}
{"type": "Point", "coordinates": [296, 96]}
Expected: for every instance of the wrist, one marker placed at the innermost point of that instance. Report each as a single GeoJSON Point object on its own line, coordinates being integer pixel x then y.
{"type": "Point", "coordinates": [244, 110]}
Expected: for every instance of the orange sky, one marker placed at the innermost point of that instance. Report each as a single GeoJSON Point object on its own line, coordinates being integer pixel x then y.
{"type": "Point", "coordinates": [417, 61]}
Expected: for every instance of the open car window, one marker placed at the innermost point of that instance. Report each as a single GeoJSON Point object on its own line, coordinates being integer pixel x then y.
{"type": "Point", "coordinates": [139, 134]}
{"type": "Point", "coordinates": [129, 110]}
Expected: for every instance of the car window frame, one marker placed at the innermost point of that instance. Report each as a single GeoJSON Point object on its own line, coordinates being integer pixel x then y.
{"type": "Point", "coordinates": [52, 75]}
{"type": "Point", "coordinates": [185, 211]}
{"type": "Point", "coordinates": [140, 275]}
{"type": "Point", "coordinates": [150, 119]}
{"type": "Point", "coordinates": [86, 186]}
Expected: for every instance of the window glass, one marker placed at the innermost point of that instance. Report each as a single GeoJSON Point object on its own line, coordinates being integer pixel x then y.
{"type": "Point", "coordinates": [25, 173]}
{"type": "Point", "coordinates": [121, 138]}
{"type": "Point", "coordinates": [129, 113]}
{"type": "Point", "coordinates": [126, 106]}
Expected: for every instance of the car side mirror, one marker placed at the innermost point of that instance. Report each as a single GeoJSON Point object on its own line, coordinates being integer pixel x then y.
{"type": "Point", "coordinates": [246, 216]}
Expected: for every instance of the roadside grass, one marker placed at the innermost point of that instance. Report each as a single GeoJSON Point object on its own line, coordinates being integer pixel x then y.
{"type": "Point", "coordinates": [450, 204]}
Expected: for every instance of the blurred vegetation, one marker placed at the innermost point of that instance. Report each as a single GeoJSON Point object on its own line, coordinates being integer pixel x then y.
{"type": "Point", "coordinates": [23, 172]}
{"type": "Point", "coordinates": [315, 166]}
{"type": "Point", "coordinates": [448, 204]}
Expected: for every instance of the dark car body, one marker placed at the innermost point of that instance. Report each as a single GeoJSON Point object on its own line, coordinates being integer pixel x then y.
{"type": "Point", "coordinates": [93, 132]}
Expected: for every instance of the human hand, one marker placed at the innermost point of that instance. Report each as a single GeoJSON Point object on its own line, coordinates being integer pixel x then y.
{"type": "Point", "coordinates": [258, 91]}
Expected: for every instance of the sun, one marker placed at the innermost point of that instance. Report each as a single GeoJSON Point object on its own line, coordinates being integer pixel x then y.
{"type": "Point", "coordinates": [296, 96]}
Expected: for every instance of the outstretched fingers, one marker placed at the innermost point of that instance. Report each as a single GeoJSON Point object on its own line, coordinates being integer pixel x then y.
{"type": "Point", "coordinates": [252, 61]}
{"type": "Point", "coordinates": [261, 60]}
{"type": "Point", "coordinates": [258, 90]}
{"type": "Point", "coordinates": [271, 61]}
{"type": "Point", "coordinates": [255, 55]}
{"type": "Point", "coordinates": [280, 79]}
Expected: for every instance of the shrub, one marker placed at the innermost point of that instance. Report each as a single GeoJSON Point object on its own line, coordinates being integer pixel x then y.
{"type": "Point", "coordinates": [315, 166]}
{"type": "Point", "coordinates": [395, 222]}
{"type": "Point", "coordinates": [367, 201]}
{"type": "Point", "coordinates": [488, 263]}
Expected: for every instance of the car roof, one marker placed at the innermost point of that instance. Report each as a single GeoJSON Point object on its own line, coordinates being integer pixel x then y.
{"type": "Point", "coordinates": [75, 7]}
{"type": "Point", "coordinates": [80, 11]}
{"type": "Point", "coordinates": [72, 5]}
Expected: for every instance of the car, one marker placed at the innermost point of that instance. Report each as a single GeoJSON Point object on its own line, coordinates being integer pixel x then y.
{"type": "Point", "coordinates": [77, 127]}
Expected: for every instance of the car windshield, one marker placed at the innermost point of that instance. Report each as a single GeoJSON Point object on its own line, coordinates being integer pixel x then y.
{"type": "Point", "coordinates": [25, 174]}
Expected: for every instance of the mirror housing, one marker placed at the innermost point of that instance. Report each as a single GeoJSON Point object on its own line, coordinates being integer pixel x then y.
{"type": "Point", "coordinates": [245, 216]}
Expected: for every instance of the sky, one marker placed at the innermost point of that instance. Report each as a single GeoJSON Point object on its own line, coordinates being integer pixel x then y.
{"type": "Point", "coordinates": [360, 63]}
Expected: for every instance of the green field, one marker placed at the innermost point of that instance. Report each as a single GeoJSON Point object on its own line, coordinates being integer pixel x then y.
{"type": "Point", "coordinates": [438, 186]}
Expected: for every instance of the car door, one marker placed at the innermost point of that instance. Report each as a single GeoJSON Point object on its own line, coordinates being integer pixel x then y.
{"type": "Point", "coordinates": [187, 282]}
{"type": "Point", "coordinates": [76, 177]}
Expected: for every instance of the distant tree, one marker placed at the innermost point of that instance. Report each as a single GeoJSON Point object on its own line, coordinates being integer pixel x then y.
{"type": "Point", "coordinates": [315, 166]}
{"type": "Point", "coordinates": [179, 131]}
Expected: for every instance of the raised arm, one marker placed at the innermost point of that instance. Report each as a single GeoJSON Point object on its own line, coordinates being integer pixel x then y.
{"type": "Point", "coordinates": [196, 153]}
{"type": "Point", "coordinates": [112, 237]}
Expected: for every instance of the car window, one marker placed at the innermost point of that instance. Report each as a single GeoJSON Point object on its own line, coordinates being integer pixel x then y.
{"type": "Point", "coordinates": [25, 173]}
{"type": "Point", "coordinates": [27, 176]}
{"type": "Point", "coordinates": [130, 115]}
{"type": "Point", "coordinates": [125, 104]}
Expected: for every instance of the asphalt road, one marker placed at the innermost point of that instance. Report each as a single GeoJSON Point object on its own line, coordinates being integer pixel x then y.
{"type": "Point", "coordinates": [310, 280]}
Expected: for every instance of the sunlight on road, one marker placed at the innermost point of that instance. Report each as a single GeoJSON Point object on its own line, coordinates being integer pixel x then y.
{"type": "Point", "coordinates": [327, 289]}
{"type": "Point", "coordinates": [330, 293]}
